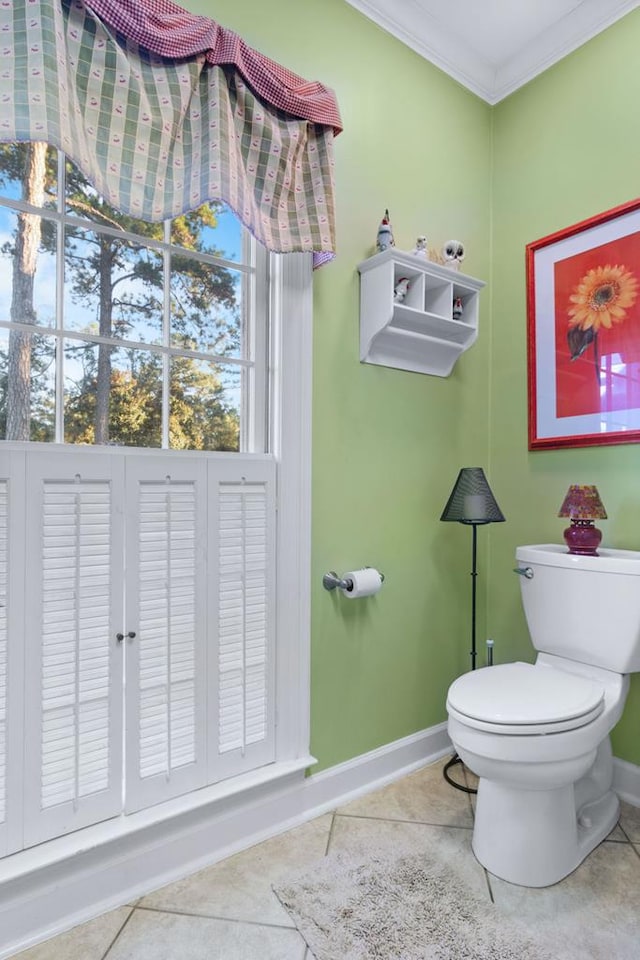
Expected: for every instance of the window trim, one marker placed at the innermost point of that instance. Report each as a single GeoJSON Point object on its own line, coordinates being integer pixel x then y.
{"type": "Point", "coordinates": [291, 361]}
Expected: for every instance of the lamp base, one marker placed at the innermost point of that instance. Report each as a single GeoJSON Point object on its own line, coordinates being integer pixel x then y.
{"type": "Point", "coordinates": [583, 538]}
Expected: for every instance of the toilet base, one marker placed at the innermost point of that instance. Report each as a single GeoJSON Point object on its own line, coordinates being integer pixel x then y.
{"type": "Point", "coordinates": [534, 838]}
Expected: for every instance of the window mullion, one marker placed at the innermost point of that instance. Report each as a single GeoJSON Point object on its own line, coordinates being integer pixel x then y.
{"type": "Point", "coordinates": [255, 308]}
{"type": "Point", "coordinates": [166, 335]}
{"type": "Point", "coordinates": [59, 340]}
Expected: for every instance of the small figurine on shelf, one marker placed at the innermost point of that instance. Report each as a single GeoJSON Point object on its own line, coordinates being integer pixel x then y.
{"type": "Point", "coordinates": [453, 254]}
{"type": "Point", "coordinates": [400, 290]}
{"type": "Point", "coordinates": [384, 240]}
{"type": "Point", "coordinates": [456, 313]}
{"type": "Point", "coordinates": [421, 249]}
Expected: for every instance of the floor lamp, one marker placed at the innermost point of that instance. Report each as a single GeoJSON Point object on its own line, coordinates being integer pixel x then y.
{"type": "Point", "coordinates": [471, 502]}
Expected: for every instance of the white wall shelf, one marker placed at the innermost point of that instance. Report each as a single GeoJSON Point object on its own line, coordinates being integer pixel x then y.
{"type": "Point", "coordinates": [419, 334]}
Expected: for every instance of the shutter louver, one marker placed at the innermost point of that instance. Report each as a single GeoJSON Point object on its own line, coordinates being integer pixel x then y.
{"type": "Point", "coordinates": [167, 612]}
{"type": "Point", "coordinates": [243, 615]}
{"type": "Point", "coordinates": [75, 626]}
{"type": "Point", "coordinates": [3, 648]}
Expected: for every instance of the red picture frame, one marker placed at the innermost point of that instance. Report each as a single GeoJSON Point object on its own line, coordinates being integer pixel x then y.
{"type": "Point", "coordinates": [583, 332]}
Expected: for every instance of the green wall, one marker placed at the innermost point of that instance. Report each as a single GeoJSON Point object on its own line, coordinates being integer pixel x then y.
{"type": "Point", "coordinates": [566, 147]}
{"type": "Point", "coordinates": [387, 445]}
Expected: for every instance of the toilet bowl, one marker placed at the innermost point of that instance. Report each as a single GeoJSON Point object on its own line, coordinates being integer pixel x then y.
{"type": "Point", "coordinates": [544, 797]}
{"type": "Point", "coordinates": [537, 735]}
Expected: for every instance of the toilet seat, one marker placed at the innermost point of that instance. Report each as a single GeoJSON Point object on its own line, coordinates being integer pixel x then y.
{"type": "Point", "coordinates": [520, 699]}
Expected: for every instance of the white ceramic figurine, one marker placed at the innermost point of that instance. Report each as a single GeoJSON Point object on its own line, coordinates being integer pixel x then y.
{"type": "Point", "coordinates": [453, 254]}
{"type": "Point", "coordinates": [384, 240]}
{"type": "Point", "coordinates": [421, 249]}
{"type": "Point", "coordinates": [400, 290]}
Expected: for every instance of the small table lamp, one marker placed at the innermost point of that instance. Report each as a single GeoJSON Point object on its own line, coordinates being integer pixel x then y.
{"type": "Point", "coordinates": [583, 505]}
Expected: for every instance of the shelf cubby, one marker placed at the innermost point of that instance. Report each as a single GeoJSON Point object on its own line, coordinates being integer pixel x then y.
{"type": "Point", "coordinates": [419, 333]}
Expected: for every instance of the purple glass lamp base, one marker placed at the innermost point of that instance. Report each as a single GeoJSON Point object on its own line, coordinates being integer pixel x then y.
{"type": "Point", "coordinates": [583, 537]}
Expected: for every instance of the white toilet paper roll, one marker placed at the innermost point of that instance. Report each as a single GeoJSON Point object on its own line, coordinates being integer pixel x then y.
{"type": "Point", "coordinates": [364, 582]}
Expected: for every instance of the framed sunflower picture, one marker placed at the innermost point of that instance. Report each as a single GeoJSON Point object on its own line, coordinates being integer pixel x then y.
{"type": "Point", "coordinates": [583, 332]}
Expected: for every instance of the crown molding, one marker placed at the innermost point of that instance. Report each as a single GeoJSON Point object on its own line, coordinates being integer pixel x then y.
{"type": "Point", "coordinates": [409, 23]}
{"type": "Point", "coordinates": [412, 25]}
{"type": "Point", "coordinates": [572, 31]}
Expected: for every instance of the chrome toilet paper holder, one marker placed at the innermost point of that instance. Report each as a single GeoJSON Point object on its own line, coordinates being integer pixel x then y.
{"type": "Point", "coordinates": [331, 580]}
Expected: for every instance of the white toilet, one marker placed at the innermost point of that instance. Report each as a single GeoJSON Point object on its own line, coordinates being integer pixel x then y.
{"type": "Point", "coordinates": [538, 735]}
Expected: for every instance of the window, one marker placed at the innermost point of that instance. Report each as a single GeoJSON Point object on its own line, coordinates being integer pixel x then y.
{"type": "Point", "coordinates": [117, 331]}
{"type": "Point", "coordinates": [188, 338]}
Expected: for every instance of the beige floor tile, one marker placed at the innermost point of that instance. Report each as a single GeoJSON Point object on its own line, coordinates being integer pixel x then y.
{"type": "Point", "coordinates": [229, 911]}
{"type": "Point", "coordinates": [240, 888]}
{"type": "Point", "coordinates": [164, 936]}
{"type": "Point", "coordinates": [630, 822]}
{"type": "Point", "coordinates": [89, 941]}
{"type": "Point", "coordinates": [617, 836]}
{"type": "Point", "coordinates": [364, 838]}
{"type": "Point", "coordinates": [594, 914]}
{"type": "Point", "coordinates": [423, 796]}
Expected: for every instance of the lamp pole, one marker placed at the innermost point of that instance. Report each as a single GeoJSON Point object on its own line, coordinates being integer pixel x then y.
{"type": "Point", "coordinates": [474, 577]}
{"type": "Point", "coordinates": [472, 503]}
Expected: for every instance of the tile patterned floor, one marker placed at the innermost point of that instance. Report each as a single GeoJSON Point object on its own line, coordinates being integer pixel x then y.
{"type": "Point", "coordinates": [229, 912]}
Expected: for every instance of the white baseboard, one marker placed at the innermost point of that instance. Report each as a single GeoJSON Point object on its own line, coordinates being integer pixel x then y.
{"type": "Point", "coordinates": [370, 771]}
{"type": "Point", "coordinates": [88, 879]}
{"type": "Point", "coordinates": [626, 781]}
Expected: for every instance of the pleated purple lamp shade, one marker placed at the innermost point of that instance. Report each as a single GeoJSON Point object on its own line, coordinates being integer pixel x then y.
{"type": "Point", "coordinates": [582, 505]}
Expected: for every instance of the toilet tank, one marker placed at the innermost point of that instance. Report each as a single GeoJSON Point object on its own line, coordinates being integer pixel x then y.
{"type": "Point", "coordinates": [583, 608]}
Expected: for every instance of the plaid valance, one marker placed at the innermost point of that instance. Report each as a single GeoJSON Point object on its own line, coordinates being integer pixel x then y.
{"type": "Point", "coordinates": [163, 27]}
{"type": "Point", "coordinates": [158, 136]}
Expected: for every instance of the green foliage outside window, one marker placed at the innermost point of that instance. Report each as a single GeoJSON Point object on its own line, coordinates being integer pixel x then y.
{"type": "Point", "coordinates": [136, 306]}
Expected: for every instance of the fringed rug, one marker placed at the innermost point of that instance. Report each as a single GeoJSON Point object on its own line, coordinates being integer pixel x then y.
{"type": "Point", "coordinates": [408, 908]}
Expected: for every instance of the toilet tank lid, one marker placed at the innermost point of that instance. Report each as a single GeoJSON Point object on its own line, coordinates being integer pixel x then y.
{"type": "Point", "coordinates": [609, 560]}
{"type": "Point", "coordinates": [521, 693]}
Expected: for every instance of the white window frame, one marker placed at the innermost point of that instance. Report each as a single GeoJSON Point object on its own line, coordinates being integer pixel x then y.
{"type": "Point", "coordinates": [291, 360]}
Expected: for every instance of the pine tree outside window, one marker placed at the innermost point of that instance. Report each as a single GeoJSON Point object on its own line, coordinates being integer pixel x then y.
{"type": "Point", "coordinates": [118, 331]}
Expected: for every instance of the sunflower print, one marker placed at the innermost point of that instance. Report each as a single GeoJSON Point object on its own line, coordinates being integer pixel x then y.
{"type": "Point", "coordinates": [601, 299]}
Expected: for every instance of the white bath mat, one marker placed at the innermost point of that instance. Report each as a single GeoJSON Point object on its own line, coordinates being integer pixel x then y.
{"type": "Point", "coordinates": [404, 908]}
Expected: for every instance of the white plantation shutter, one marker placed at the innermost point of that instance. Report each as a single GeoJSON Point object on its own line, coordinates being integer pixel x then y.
{"type": "Point", "coordinates": [149, 578]}
{"type": "Point", "coordinates": [242, 616]}
{"type": "Point", "coordinates": [74, 567]}
{"type": "Point", "coordinates": [12, 646]}
{"type": "Point", "coordinates": [76, 588]}
{"type": "Point", "coordinates": [4, 505]}
{"type": "Point", "coordinates": [242, 567]}
{"type": "Point", "coordinates": [166, 606]}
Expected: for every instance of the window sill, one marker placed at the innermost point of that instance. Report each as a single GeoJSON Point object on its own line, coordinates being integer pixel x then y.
{"type": "Point", "coordinates": [208, 801]}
